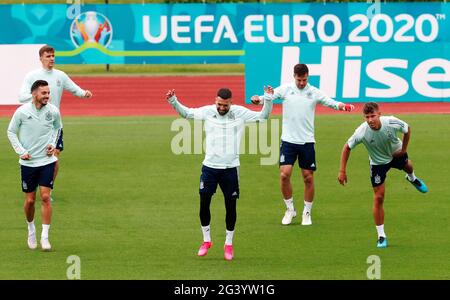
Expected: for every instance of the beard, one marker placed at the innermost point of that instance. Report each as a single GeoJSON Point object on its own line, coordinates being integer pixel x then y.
{"type": "Point", "coordinates": [222, 112]}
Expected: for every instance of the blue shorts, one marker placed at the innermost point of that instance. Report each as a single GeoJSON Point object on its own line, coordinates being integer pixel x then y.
{"type": "Point", "coordinates": [60, 143]}
{"type": "Point", "coordinates": [305, 153]}
{"type": "Point", "coordinates": [34, 176]}
{"type": "Point", "coordinates": [227, 179]}
{"type": "Point", "coordinates": [378, 172]}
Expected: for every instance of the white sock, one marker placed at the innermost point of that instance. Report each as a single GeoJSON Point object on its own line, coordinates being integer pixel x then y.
{"type": "Point", "coordinates": [411, 176]}
{"type": "Point", "coordinates": [31, 228]}
{"type": "Point", "coordinates": [206, 233]}
{"type": "Point", "coordinates": [45, 228]}
{"type": "Point", "coordinates": [229, 237]}
{"type": "Point", "coordinates": [380, 230]}
{"type": "Point", "coordinates": [308, 207]}
{"type": "Point", "coordinates": [289, 203]}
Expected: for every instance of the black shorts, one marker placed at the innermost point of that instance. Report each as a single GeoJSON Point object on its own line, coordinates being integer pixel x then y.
{"type": "Point", "coordinates": [378, 172]}
{"type": "Point", "coordinates": [34, 176]}
{"type": "Point", "coordinates": [227, 179]}
{"type": "Point", "coordinates": [305, 153]}
{"type": "Point", "coordinates": [60, 143]}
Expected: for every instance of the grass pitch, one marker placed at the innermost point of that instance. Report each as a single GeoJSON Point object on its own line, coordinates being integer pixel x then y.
{"type": "Point", "coordinates": [128, 208]}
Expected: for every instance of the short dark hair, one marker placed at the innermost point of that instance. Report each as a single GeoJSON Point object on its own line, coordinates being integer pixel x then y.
{"type": "Point", "coordinates": [224, 93]}
{"type": "Point", "coordinates": [301, 69]}
{"type": "Point", "coordinates": [46, 48]}
{"type": "Point", "coordinates": [370, 107]}
{"type": "Point", "coordinates": [37, 84]}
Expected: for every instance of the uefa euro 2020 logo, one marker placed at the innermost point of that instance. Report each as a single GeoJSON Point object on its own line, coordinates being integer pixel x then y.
{"type": "Point", "coordinates": [91, 27]}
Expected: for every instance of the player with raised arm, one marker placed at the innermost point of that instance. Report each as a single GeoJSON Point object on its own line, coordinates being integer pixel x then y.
{"type": "Point", "coordinates": [297, 140]}
{"type": "Point", "coordinates": [224, 125]}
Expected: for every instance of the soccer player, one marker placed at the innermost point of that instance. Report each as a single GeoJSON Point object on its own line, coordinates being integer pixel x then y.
{"type": "Point", "coordinates": [386, 151]}
{"type": "Point", "coordinates": [297, 138]}
{"type": "Point", "coordinates": [224, 124]}
{"type": "Point", "coordinates": [33, 132]}
{"type": "Point", "coordinates": [58, 81]}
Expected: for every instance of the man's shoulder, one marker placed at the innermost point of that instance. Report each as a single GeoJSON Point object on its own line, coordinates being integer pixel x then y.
{"type": "Point", "coordinates": [211, 107]}
{"type": "Point", "coordinates": [393, 122]}
{"type": "Point", "coordinates": [361, 129]}
{"type": "Point", "coordinates": [33, 73]}
{"type": "Point", "coordinates": [388, 119]}
{"type": "Point", "coordinates": [237, 108]}
{"type": "Point", "coordinates": [59, 72]}
{"type": "Point", "coordinates": [207, 109]}
{"type": "Point", "coordinates": [52, 107]}
{"type": "Point", "coordinates": [24, 108]}
{"type": "Point", "coordinates": [288, 85]}
{"type": "Point", "coordinates": [315, 91]}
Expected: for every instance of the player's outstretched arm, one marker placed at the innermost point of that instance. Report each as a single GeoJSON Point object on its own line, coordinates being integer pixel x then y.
{"type": "Point", "coordinates": [255, 116]}
{"type": "Point", "coordinates": [255, 99]}
{"type": "Point", "coordinates": [342, 176]}
{"type": "Point", "coordinates": [346, 107]}
{"type": "Point", "coordinates": [183, 111]}
{"type": "Point", "coordinates": [268, 92]}
{"type": "Point", "coordinates": [88, 94]}
{"type": "Point", "coordinates": [70, 86]}
{"type": "Point", "coordinates": [171, 97]}
{"type": "Point", "coordinates": [170, 93]}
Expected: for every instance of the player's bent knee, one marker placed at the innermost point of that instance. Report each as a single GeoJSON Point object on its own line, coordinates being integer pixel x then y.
{"type": "Point", "coordinates": [379, 198]}
{"type": "Point", "coordinates": [30, 200]}
{"type": "Point", "coordinates": [308, 179]}
{"type": "Point", "coordinates": [285, 176]}
{"type": "Point", "coordinates": [45, 198]}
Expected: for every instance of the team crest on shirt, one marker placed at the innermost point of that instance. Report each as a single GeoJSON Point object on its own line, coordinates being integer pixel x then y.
{"type": "Point", "coordinates": [58, 83]}
{"type": "Point", "coordinates": [48, 116]}
{"type": "Point", "coordinates": [231, 116]}
{"type": "Point", "coordinates": [309, 95]}
{"type": "Point", "coordinates": [377, 179]}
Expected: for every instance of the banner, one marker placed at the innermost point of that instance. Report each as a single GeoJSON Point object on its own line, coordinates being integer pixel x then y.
{"type": "Point", "coordinates": [356, 51]}
{"type": "Point", "coordinates": [16, 62]}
